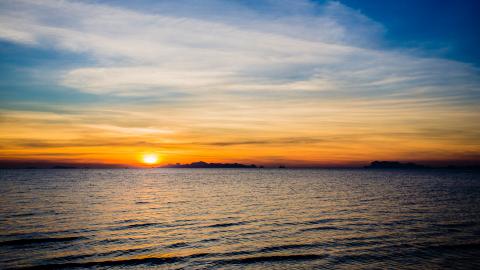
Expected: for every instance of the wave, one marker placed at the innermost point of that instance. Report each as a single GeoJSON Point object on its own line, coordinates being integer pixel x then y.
{"type": "Point", "coordinates": [455, 247]}
{"type": "Point", "coordinates": [264, 250]}
{"type": "Point", "coordinates": [287, 247]}
{"type": "Point", "coordinates": [29, 241]}
{"type": "Point", "coordinates": [321, 221]}
{"type": "Point", "coordinates": [221, 225]}
{"type": "Point", "coordinates": [274, 258]}
{"type": "Point", "coordinates": [137, 225]}
{"type": "Point", "coordinates": [177, 245]}
{"type": "Point", "coordinates": [126, 262]}
{"type": "Point", "coordinates": [398, 252]}
{"type": "Point", "coordinates": [325, 228]}
{"type": "Point", "coordinates": [455, 225]}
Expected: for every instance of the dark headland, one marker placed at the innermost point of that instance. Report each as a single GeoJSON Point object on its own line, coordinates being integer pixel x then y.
{"type": "Point", "coordinates": [395, 165]}
{"type": "Point", "coordinates": [392, 165]}
{"type": "Point", "coordinates": [201, 164]}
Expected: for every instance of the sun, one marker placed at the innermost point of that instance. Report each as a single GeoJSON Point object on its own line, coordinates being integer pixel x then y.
{"type": "Point", "coordinates": [150, 159]}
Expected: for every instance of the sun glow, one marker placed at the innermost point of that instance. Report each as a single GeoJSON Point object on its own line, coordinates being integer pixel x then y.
{"type": "Point", "coordinates": [150, 159]}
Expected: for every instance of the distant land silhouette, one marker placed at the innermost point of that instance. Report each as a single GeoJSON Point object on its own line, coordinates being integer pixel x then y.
{"type": "Point", "coordinates": [394, 165]}
{"type": "Point", "coordinates": [64, 167]}
{"type": "Point", "coordinates": [414, 166]}
{"type": "Point", "coordinates": [387, 165]}
{"type": "Point", "coordinates": [201, 164]}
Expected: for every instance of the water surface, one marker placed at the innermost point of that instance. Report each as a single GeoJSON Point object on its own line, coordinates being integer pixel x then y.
{"type": "Point", "coordinates": [239, 218]}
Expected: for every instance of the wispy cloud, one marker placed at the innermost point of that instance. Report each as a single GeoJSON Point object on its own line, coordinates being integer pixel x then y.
{"type": "Point", "coordinates": [292, 73]}
{"type": "Point", "coordinates": [311, 47]}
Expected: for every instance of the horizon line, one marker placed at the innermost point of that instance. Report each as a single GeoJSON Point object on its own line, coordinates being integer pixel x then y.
{"type": "Point", "coordinates": [46, 164]}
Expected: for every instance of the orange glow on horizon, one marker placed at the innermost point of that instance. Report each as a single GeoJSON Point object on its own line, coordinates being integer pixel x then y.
{"type": "Point", "coordinates": [352, 139]}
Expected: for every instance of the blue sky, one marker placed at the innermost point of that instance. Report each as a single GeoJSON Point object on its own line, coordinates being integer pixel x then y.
{"type": "Point", "coordinates": [445, 28]}
{"type": "Point", "coordinates": [330, 72]}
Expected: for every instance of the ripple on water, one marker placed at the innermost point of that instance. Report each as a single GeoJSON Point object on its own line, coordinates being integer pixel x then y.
{"type": "Point", "coordinates": [252, 219]}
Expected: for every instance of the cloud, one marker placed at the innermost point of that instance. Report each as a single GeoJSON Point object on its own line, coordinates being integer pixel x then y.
{"type": "Point", "coordinates": [201, 78]}
{"type": "Point", "coordinates": [274, 46]}
{"type": "Point", "coordinates": [129, 130]}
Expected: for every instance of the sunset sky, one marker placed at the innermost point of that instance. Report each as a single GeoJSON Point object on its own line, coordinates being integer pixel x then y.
{"type": "Point", "coordinates": [301, 83]}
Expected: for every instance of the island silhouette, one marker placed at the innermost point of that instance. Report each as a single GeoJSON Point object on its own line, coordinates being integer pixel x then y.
{"type": "Point", "coordinates": [202, 164]}
{"type": "Point", "coordinates": [395, 165]}
{"type": "Point", "coordinates": [387, 165]}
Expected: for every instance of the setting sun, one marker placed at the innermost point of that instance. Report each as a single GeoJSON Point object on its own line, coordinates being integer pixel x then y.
{"type": "Point", "coordinates": [150, 158]}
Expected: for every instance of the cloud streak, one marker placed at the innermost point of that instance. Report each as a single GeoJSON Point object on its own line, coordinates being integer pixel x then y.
{"type": "Point", "coordinates": [318, 77]}
{"type": "Point", "coordinates": [312, 48]}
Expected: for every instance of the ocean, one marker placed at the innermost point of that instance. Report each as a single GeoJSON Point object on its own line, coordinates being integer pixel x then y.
{"type": "Point", "coordinates": [239, 219]}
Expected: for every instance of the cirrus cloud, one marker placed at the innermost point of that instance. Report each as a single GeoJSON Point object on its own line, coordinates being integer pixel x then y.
{"type": "Point", "coordinates": [312, 47]}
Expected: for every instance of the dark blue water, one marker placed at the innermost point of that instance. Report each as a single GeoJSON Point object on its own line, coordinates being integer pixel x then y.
{"type": "Point", "coordinates": [248, 219]}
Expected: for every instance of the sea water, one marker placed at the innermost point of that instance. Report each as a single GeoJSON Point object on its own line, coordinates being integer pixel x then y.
{"type": "Point", "coordinates": [239, 218]}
